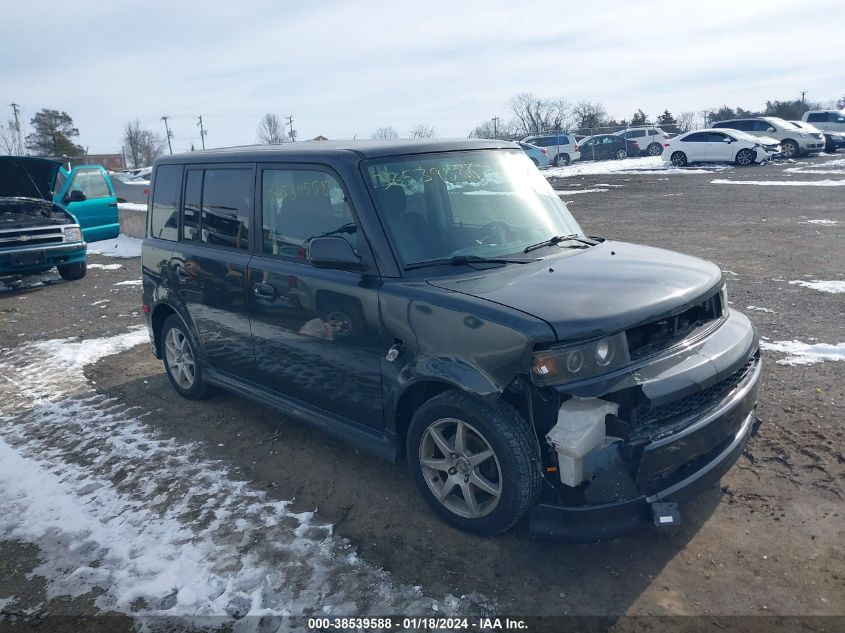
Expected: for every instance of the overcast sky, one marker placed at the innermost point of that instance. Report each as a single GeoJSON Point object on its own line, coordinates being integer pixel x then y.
{"type": "Point", "coordinates": [345, 68]}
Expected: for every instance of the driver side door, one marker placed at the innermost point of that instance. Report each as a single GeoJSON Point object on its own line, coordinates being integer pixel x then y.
{"type": "Point", "coordinates": [96, 208]}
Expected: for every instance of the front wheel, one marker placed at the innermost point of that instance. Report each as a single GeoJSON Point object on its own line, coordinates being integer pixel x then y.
{"type": "Point", "coordinates": [181, 361]}
{"type": "Point", "coordinates": [744, 157]}
{"type": "Point", "coordinates": [679, 159]}
{"type": "Point", "coordinates": [72, 272]}
{"type": "Point", "coordinates": [621, 154]}
{"type": "Point", "coordinates": [475, 463]}
{"type": "Point", "coordinates": [789, 149]}
{"type": "Point", "coordinates": [562, 160]}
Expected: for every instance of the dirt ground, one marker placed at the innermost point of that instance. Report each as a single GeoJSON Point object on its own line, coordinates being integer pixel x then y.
{"type": "Point", "coordinates": [769, 541]}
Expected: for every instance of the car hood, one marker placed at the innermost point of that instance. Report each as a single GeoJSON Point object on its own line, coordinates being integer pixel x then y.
{"type": "Point", "coordinates": [27, 177]}
{"type": "Point", "coordinates": [596, 291]}
{"type": "Point", "coordinates": [24, 213]}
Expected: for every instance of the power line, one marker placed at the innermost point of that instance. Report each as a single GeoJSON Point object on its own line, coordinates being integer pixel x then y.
{"type": "Point", "coordinates": [169, 134]}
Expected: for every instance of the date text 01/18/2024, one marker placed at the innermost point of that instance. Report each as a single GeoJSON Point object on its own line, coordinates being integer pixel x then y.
{"type": "Point", "coordinates": [416, 624]}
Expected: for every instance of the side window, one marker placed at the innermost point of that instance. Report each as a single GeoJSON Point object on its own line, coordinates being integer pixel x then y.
{"type": "Point", "coordinates": [60, 182]}
{"type": "Point", "coordinates": [716, 137]}
{"type": "Point", "coordinates": [191, 213]}
{"type": "Point", "coordinates": [817, 117]}
{"type": "Point", "coordinates": [92, 183]}
{"type": "Point", "coordinates": [698, 137]}
{"type": "Point", "coordinates": [164, 215]}
{"type": "Point", "coordinates": [761, 126]}
{"type": "Point", "coordinates": [225, 207]}
{"type": "Point", "coordinates": [298, 205]}
{"type": "Point", "coordinates": [834, 117]}
{"type": "Point", "coordinates": [637, 134]}
{"type": "Point", "coordinates": [564, 140]}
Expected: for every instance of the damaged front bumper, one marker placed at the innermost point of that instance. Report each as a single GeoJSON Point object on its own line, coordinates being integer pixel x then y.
{"type": "Point", "coordinates": [707, 393]}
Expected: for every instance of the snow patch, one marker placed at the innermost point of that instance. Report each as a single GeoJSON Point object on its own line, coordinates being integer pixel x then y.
{"type": "Point", "coordinates": [129, 282]}
{"type": "Point", "coordinates": [114, 505]}
{"type": "Point", "coordinates": [105, 266]}
{"type": "Point", "coordinates": [121, 246]}
{"type": "Point", "coordinates": [822, 222]}
{"type": "Point", "coordinates": [572, 192]}
{"type": "Point", "coordinates": [781, 183]}
{"type": "Point", "coordinates": [799, 353]}
{"type": "Point", "coordinates": [132, 206]}
{"type": "Point", "coordinates": [833, 287]}
{"type": "Point", "coordinates": [759, 309]}
{"type": "Point", "coordinates": [644, 165]}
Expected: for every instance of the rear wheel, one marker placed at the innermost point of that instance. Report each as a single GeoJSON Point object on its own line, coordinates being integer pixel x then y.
{"type": "Point", "coordinates": [655, 149]}
{"type": "Point", "coordinates": [181, 361]}
{"type": "Point", "coordinates": [561, 160]}
{"type": "Point", "coordinates": [475, 463]}
{"type": "Point", "coordinates": [744, 157]}
{"type": "Point", "coordinates": [679, 159]}
{"type": "Point", "coordinates": [620, 154]}
{"type": "Point", "coordinates": [789, 149]}
{"type": "Point", "coordinates": [72, 272]}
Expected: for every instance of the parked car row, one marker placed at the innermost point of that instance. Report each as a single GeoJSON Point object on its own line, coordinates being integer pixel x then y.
{"type": "Point", "coordinates": [743, 141]}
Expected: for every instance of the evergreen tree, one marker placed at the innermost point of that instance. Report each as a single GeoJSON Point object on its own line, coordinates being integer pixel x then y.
{"type": "Point", "coordinates": [666, 118]}
{"type": "Point", "coordinates": [52, 136]}
{"type": "Point", "coordinates": [639, 118]}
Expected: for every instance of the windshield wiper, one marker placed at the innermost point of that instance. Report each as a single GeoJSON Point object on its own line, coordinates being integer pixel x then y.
{"type": "Point", "coordinates": [557, 239]}
{"type": "Point", "coordinates": [460, 260]}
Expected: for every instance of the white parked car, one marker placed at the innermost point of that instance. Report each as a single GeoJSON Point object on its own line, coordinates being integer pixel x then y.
{"type": "Point", "coordinates": [832, 125]}
{"type": "Point", "coordinates": [793, 142]}
{"type": "Point", "coordinates": [718, 145]}
{"type": "Point", "coordinates": [538, 155]}
{"type": "Point", "coordinates": [562, 148]}
{"type": "Point", "coordinates": [649, 137]}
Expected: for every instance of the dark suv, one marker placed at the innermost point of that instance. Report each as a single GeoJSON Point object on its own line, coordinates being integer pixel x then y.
{"type": "Point", "coordinates": [436, 301]}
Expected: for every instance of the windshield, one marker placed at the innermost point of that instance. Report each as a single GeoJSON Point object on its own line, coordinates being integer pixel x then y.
{"type": "Point", "coordinates": [474, 203]}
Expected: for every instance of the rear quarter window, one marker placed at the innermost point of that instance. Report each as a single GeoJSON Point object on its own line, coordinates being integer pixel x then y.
{"type": "Point", "coordinates": [164, 210]}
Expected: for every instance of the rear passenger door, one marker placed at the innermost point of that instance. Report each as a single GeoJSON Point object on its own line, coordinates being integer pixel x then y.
{"type": "Point", "coordinates": [315, 331]}
{"type": "Point", "coordinates": [209, 263]}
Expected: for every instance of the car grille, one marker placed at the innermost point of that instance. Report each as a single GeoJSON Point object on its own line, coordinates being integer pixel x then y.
{"type": "Point", "coordinates": [645, 416]}
{"type": "Point", "coordinates": [656, 336]}
{"type": "Point", "coordinates": [31, 237]}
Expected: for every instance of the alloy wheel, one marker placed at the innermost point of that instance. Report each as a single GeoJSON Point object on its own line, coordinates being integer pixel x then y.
{"type": "Point", "coordinates": [460, 468]}
{"type": "Point", "coordinates": [744, 157]}
{"type": "Point", "coordinates": [679, 159]}
{"type": "Point", "coordinates": [180, 358]}
{"type": "Point", "coordinates": [621, 154]}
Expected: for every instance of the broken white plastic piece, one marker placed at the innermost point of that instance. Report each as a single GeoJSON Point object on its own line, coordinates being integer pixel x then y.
{"type": "Point", "coordinates": [580, 429]}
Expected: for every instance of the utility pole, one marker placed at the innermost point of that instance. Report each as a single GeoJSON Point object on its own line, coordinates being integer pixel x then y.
{"type": "Point", "coordinates": [18, 137]}
{"type": "Point", "coordinates": [169, 134]}
{"type": "Point", "coordinates": [203, 131]}
{"type": "Point", "coordinates": [803, 92]}
{"type": "Point", "coordinates": [292, 133]}
{"type": "Point", "coordinates": [495, 127]}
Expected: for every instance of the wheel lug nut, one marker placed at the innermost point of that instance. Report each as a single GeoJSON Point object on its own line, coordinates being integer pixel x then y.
{"type": "Point", "coordinates": [452, 470]}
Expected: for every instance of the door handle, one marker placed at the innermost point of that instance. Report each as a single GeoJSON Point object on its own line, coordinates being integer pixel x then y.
{"type": "Point", "coordinates": [113, 204]}
{"type": "Point", "coordinates": [264, 291]}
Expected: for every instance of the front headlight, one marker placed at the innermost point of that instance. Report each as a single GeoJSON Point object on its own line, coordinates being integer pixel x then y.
{"type": "Point", "coordinates": [579, 362]}
{"type": "Point", "coordinates": [805, 135]}
{"type": "Point", "coordinates": [72, 234]}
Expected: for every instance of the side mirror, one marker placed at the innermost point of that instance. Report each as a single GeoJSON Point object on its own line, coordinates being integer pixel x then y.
{"type": "Point", "coordinates": [75, 196]}
{"type": "Point", "coordinates": [771, 129]}
{"type": "Point", "coordinates": [332, 252]}
{"type": "Point", "coordinates": [728, 140]}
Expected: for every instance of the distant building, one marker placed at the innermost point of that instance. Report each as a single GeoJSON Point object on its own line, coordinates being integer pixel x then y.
{"type": "Point", "coordinates": [109, 161]}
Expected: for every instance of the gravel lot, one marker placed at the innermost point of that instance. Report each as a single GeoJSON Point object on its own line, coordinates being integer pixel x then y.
{"type": "Point", "coordinates": [768, 542]}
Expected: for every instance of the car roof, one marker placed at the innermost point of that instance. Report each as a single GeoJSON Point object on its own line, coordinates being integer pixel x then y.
{"type": "Point", "coordinates": [335, 149]}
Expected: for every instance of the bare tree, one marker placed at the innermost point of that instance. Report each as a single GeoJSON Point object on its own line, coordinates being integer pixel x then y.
{"type": "Point", "coordinates": [151, 146]}
{"type": "Point", "coordinates": [589, 115]}
{"type": "Point", "coordinates": [386, 132]}
{"type": "Point", "coordinates": [500, 130]}
{"type": "Point", "coordinates": [132, 141]}
{"type": "Point", "coordinates": [687, 121]}
{"type": "Point", "coordinates": [271, 129]}
{"type": "Point", "coordinates": [536, 115]}
{"type": "Point", "coordinates": [422, 130]}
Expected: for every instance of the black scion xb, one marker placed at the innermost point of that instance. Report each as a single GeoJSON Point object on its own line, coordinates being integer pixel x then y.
{"type": "Point", "coordinates": [435, 301]}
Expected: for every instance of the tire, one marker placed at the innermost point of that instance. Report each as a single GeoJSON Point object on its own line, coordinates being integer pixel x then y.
{"type": "Point", "coordinates": [829, 147]}
{"type": "Point", "coordinates": [73, 272]}
{"type": "Point", "coordinates": [621, 154]}
{"type": "Point", "coordinates": [180, 351]}
{"type": "Point", "coordinates": [745, 157]}
{"type": "Point", "coordinates": [655, 149]}
{"type": "Point", "coordinates": [789, 149]}
{"type": "Point", "coordinates": [347, 321]}
{"type": "Point", "coordinates": [679, 159]}
{"type": "Point", "coordinates": [562, 160]}
{"type": "Point", "coordinates": [511, 470]}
